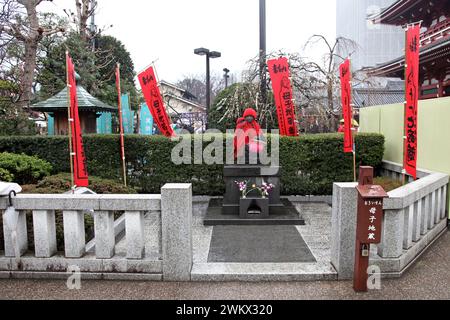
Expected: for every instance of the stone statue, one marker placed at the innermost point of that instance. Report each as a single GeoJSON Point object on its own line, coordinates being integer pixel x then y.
{"type": "Point", "coordinates": [248, 138]}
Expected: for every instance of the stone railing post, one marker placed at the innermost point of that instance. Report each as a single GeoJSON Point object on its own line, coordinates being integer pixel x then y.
{"type": "Point", "coordinates": [343, 229]}
{"type": "Point", "coordinates": [21, 237]}
{"type": "Point", "coordinates": [44, 226]}
{"type": "Point", "coordinates": [105, 240]}
{"type": "Point", "coordinates": [135, 237]}
{"type": "Point", "coordinates": [444, 202]}
{"type": "Point", "coordinates": [176, 225]}
{"type": "Point", "coordinates": [74, 234]}
{"type": "Point", "coordinates": [392, 240]}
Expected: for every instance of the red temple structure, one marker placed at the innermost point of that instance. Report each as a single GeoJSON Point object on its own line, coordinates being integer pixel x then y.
{"type": "Point", "coordinates": [434, 16]}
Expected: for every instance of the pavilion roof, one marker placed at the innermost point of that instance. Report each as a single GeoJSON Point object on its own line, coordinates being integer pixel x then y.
{"type": "Point", "coordinates": [85, 102]}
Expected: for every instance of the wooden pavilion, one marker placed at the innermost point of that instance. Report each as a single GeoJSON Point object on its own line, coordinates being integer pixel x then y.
{"type": "Point", "coordinates": [89, 108]}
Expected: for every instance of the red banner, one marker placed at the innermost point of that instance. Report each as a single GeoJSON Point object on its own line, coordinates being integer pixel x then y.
{"type": "Point", "coordinates": [80, 173]}
{"type": "Point", "coordinates": [155, 102]}
{"type": "Point", "coordinates": [347, 111]}
{"type": "Point", "coordinates": [282, 89]}
{"type": "Point", "coordinates": [412, 99]}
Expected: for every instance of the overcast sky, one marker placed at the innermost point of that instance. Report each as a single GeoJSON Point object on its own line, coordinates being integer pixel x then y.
{"type": "Point", "coordinates": [169, 30]}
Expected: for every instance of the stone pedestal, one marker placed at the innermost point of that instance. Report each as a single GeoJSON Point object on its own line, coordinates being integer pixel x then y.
{"type": "Point", "coordinates": [227, 211]}
{"type": "Point", "coordinates": [254, 174]}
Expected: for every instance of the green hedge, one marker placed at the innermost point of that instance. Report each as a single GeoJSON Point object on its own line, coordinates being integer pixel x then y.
{"type": "Point", "coordinates": [311, 163]}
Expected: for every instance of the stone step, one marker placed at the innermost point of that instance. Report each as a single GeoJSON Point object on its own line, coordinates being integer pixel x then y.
{"type": "Point", "coordinates": [256, 272]}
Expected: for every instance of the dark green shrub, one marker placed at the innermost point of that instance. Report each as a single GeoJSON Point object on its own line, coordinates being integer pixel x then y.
{"type": "Point", "coordinates": [24, 169]}
{"type": "Point", "coordinates": [6, 176]}
{"type": "Point", "coordinates": [311, 163]}
{"type": "Point", "coordinates": [60, 183]}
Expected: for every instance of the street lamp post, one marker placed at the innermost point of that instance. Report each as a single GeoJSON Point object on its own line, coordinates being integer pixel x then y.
{"type": "Point", "coordinates": [262, 50]}
{"type": "Point", "coordinates": [209, 55]}
{"type": "Point", "coordinates": [226, 76]}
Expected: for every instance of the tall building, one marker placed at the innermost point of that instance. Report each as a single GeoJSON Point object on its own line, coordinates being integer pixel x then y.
{"type": "Point", "coordinates": [375, 43]}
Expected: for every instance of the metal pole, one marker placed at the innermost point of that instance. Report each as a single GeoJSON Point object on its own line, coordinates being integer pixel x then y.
{"type": "Point", "coordinates": [262, 50]}
{"type": "Point", "coordinates": [404, 111]}
{"type": "Point", "coordinates": [208, 90]}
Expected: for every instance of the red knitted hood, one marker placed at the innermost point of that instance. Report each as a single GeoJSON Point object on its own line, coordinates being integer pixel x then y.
{"type": "Point", "coordinates": [250, 113]}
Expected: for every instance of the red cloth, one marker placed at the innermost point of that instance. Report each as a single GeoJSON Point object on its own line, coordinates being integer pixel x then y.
{"type": "Point", "coordinates": [250, 130]}
{"type": "Point", "coordinates": [341, 129]}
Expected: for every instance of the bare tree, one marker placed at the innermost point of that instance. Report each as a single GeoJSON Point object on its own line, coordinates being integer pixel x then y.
{"type": "Point", "coordinates": [22, 25]}
{"type": "Point", "coordinates": [196, 85]}
{"type": "Point", "coordinates": [85, 9]}
{"type": "Point", "coordinates": [315, 85]}
{"type": "Point", "coordinates": [329, 70]}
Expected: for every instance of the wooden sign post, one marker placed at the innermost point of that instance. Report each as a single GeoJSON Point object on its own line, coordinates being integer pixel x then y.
{"type": "Point", "coordinates": [369, 224]}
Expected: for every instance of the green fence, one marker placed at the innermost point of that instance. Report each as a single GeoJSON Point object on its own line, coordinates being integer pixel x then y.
{"type": "Point", "coordinates": [433, 132]}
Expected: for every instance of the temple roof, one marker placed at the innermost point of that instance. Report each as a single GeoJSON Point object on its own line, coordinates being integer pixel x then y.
{"type": "Point", "coordinates": [394, 92]}
{"type": "Point", "coordinates": [403, 12]}
{"type": "Point", "coordinates": [434, 53]}
{"type": "Point", "coordinates": [85, 102]}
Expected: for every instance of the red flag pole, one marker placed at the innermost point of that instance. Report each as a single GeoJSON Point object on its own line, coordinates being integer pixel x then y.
{"type": "Point", "coordinates": [122, 140]}
{"type": "Point", "coordinates": [404, 108]}
{"type": "Point", "coordinates": [69, 125]}
{"type": "Point", "coordinates": [347, 111]}
{"type": "Point", "coordinates": [351, 121]}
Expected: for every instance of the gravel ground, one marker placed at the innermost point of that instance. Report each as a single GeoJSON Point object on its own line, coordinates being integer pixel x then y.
{"type": "Point", "coordinates": [427, 279]}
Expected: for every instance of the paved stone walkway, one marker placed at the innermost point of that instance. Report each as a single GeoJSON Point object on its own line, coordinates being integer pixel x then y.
{"type": "Point", "coordinates": [315, 233]}
{"type": "Point", "coordinates": [428, 279]}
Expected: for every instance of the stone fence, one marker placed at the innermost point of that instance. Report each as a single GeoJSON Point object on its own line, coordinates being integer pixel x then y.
{"type": "Point", "coordinates": [414, 217]}
{"type": "Point", "coordinates": [173, 263]}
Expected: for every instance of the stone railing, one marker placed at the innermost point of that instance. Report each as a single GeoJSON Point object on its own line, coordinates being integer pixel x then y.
{"type": "Point", "coordinates": [173, 263]}
{"type": "Point", "coordinates": [414, 217]}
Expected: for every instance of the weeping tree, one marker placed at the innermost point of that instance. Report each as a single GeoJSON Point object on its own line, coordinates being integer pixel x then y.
{"type": "Point", "coordinates": [326, 74]}
{"type": "Point", "coordinates": [231, 103]}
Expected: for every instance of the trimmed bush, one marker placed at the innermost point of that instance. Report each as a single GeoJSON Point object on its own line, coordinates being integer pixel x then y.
{"type": "Point", "coordinates": [61, 183]}
{"type": "Point", "coordinates": [387, 183]}
{"type": "Point", "coordinates": [23, 169]}
{"type": "Point", "coordinates": [6, 176]}
{"type": "Point", "coordinates": [311, 163]}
